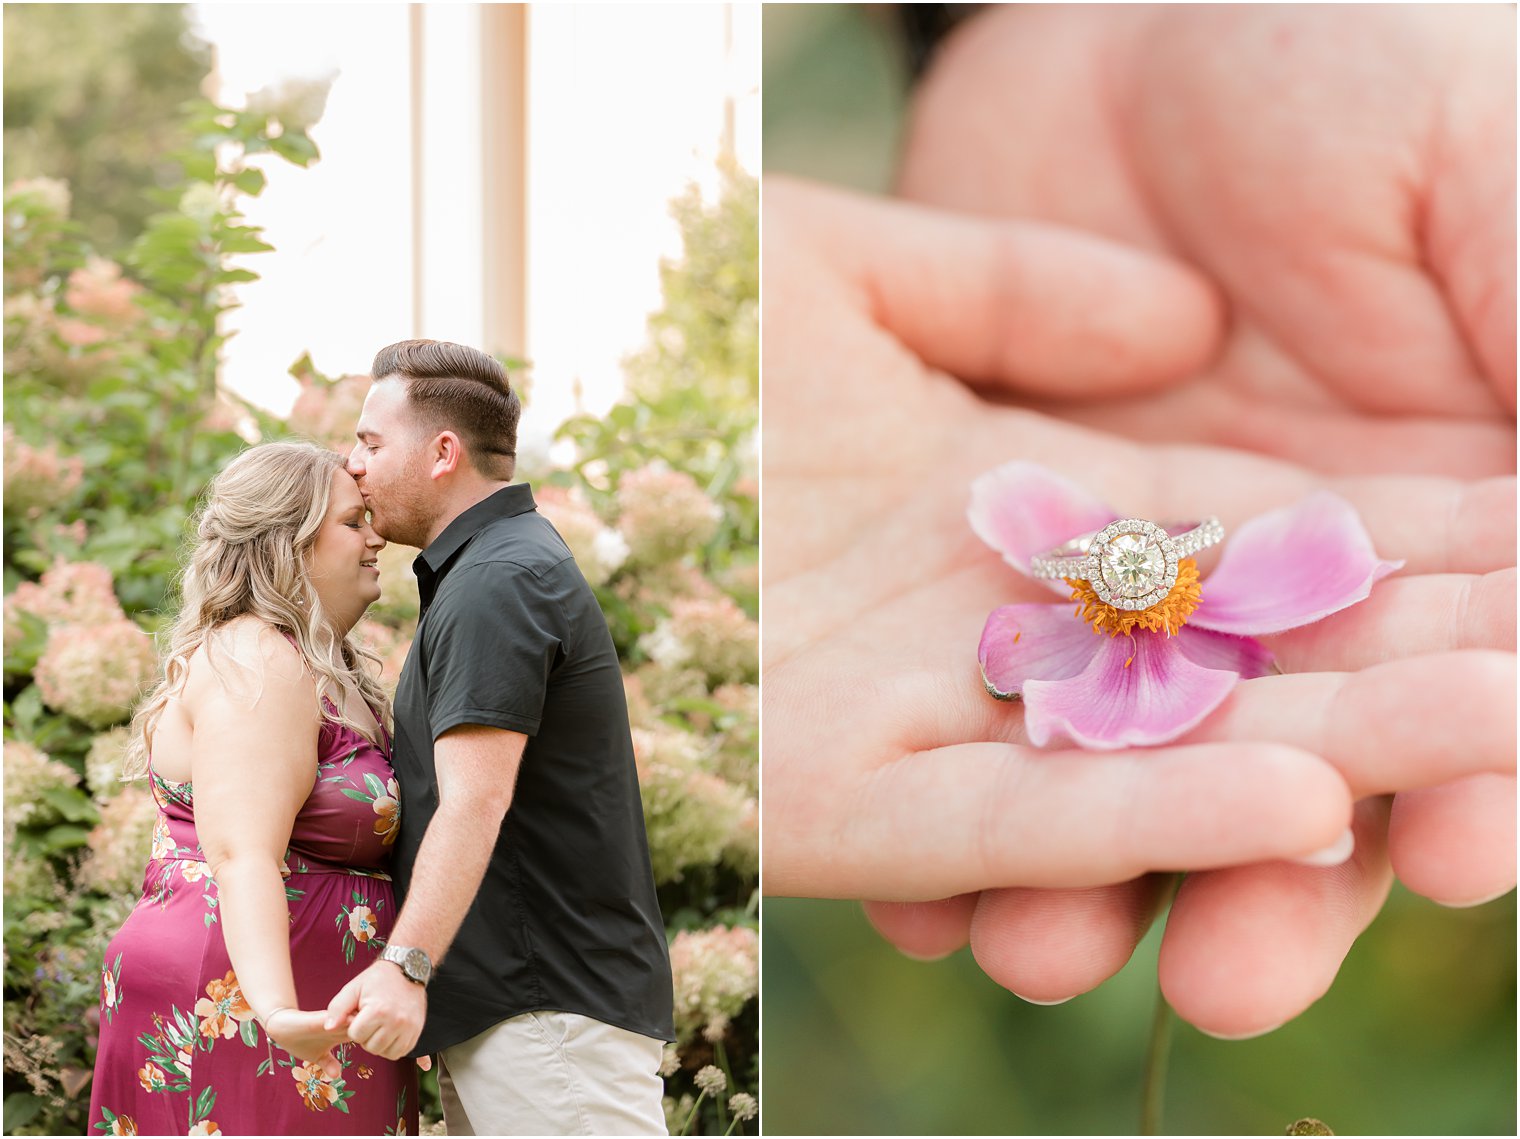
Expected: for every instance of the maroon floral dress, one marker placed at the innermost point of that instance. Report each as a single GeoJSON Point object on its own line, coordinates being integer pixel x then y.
{"type": "Point", "coordinates": [180, 1052]}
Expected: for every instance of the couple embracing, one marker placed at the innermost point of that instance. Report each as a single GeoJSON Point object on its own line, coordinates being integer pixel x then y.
{"type": "Point", "coordinates": [335, 889]}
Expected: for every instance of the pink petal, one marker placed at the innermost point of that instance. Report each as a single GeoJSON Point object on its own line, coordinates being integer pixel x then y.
{"type": "Point", "coordinates": [1022, 509]}
{"type": "Point", "coordinates": [1290, 567]}
{"type": "Point", "coordinates": [1137, 691]}
{"type": "Point", "coordinates": [1032, 642]}
{"type": "Point", "coordinates": [1249, 658]}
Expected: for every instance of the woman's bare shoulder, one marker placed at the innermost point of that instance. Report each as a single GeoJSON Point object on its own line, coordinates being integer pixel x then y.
{"type": "Point", "coordinates": [244, 659]}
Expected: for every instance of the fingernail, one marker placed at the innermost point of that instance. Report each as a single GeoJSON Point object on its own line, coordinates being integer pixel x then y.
{"type": "Point", "coordinates": [1332, 855]}
{"type": "Point", "coordinates": [1043, 1004]}
{"type": "Point", "coordinates": [1243, 1035]}
{"type": "Point", "coordinates": [1467, 904]}
{"type": "Point", "coordinates": [924, 956]}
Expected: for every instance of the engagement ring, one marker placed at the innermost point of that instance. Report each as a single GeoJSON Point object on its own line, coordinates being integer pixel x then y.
{"type": "Point", "coordinates": [1131, 563]}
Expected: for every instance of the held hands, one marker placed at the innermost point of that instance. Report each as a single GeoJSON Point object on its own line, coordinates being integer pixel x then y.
{"type": "Point", "coordinates": [306, 1036]}
{"type": "Point", "coordinates": [383, 1010]}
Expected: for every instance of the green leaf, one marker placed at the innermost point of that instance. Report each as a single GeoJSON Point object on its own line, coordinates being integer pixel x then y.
{"type": "Point", "coordinates": [71, 803]}
{"type": "Point", "coordinates": [376, 788]}
{"type": "Point", "coordinates": [359, 795]}
{"type": "Point", "coordinates": [66, 837]}
{"type": "Point", "coordinates": [249, 1032]}
{"type": "Point", "coordinates": [250, 180]}
{"type": "Point", "coordinates": [295, 147]}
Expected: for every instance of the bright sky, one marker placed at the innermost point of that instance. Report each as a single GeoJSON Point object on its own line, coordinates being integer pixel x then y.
{"type": "Point", "coordinates": [625, 107]}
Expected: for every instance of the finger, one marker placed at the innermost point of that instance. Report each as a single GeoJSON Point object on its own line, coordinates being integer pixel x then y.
{"type": "Point", "coordinates": [971, 816]}
{"type": "Point", "coordinates": [1455, 843]}
{"type": "Point", "coordinates": [1437, 525]}
{"type": "Point", "coordinates": [1404, 724]}
{"type": "Point", "coordinates": [344, 1004]}
{"type": "Point", "coordinates": [925, 931]}
{"type": "Point", "coordinates": [1249, 948]}
{"type": "Point", "coordinates": [425, 1063]}
{"type": "Point", "coordinates": [1431, 524]}
{"type": "Point", "coordinates": [1031, 305]}
{"type": "Point", "coordinates": [331, 1066]}
{"type": "Point", "coordinates": [1405, 616]}
{"type": "Point", "coordinates": [1047, 946]}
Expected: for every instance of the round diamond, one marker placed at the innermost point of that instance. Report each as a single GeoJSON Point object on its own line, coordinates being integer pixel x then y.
{"type": "Point", "coordinates": [1132, 565]}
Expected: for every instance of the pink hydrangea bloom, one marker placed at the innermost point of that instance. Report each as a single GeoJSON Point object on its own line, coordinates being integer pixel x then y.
{"type": "Point", "coordinates": [75, 593]}
{"type": "Point", "coordinates": [691, 815]}
{"type": "Point", "coordinates": [663, 514]}
{"type": "Point", "coordinates": [1286, 568]}
{"type": "Point", "coordinates": [95, 672]}
{"type": "Point", "coordinates": [599, 550]}
{"type": "Point", "coordinates": [710, 634]}
{"type": "Point", "coordinates": [97, 289]}
{"type": "Point", "coordinates": [37, 477]}
{"type": "Point", "coordinates": [716, 972]}
{"type": "Point", "coordinates": [326, 410]}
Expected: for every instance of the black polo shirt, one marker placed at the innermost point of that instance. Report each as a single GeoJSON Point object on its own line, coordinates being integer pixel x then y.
{"type": "Point", "coordinates": [566, 919]}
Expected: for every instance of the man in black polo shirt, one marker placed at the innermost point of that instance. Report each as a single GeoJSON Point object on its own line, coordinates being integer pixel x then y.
{"type": "Point", "coordinates": [530, 952]}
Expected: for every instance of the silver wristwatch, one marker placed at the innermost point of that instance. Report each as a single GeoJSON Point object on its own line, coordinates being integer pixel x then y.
{"type": "Point", "coordinates": [415, 964]}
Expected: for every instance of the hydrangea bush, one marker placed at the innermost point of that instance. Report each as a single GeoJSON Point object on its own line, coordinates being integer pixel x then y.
{"type": "Point", "coordinates": [115, 423]}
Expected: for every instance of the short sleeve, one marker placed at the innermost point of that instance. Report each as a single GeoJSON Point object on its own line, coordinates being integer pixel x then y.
{"type": "Point", "coordinates": [491, 641]}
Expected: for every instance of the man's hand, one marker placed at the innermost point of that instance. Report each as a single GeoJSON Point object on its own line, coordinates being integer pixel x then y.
{"type": "Point", "coordinates": [387, 1010]}
{"type": "Point", "coordinates": [1345, 176]}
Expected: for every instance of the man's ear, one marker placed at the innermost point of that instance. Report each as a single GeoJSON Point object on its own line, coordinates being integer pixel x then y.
{"type": "Point", "coordinates": [446, 453]}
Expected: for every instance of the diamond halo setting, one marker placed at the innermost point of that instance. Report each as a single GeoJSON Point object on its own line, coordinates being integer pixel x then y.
{"type": "Point", "coordinates": [1131, 563]}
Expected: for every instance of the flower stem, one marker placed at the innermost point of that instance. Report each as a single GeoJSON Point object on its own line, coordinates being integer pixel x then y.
{"type": "Point", "coordinates": [1153, 1086]}
{"type": "Point", "coordinates": [694, 1109]}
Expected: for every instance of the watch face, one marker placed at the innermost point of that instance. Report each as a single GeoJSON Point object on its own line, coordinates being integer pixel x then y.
{"type": "Point", "coordinates": [417, 964]}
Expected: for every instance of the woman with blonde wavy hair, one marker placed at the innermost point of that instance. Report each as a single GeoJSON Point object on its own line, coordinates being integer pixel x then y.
{"type": "Point", "coordinates": [266, 746]}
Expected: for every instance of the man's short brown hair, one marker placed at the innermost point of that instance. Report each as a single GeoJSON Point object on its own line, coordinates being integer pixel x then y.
{"type": "Point", "coordinates": [464, 390]}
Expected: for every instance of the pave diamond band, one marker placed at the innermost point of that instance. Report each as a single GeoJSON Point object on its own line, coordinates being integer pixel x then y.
{"type": "Point", "coordinates": [1130, 563]}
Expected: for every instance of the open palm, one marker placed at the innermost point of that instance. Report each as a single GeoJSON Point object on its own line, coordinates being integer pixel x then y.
{"type": "Point", "coordinates": [889, 772]}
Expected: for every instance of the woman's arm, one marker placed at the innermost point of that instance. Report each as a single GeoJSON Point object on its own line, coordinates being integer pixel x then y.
{"type": "Point", "coordinates": [253, 764]}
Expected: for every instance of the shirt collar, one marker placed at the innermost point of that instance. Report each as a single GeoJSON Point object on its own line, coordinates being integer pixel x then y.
{"type": "Point", "coordinates": [504, 503]}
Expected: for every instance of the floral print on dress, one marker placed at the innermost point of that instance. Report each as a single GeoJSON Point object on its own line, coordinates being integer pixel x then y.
{"type": "Point", "coordinates": [151, 1077]}
{"type": "Point", "coordinates": [388, 807]}
{"type": "Point", "coordinates": [358, 925]}
{"type": "Point", "coordinates": [110, 988]}
{"type": "Point", "coordinates": [384, 800]}
{"type": "Point", "coordinates": [180, 1052]}
{"type": "Point", "coordinates": [224, 1012]}
{"type": "Point", "coordinates": [114, 1124]}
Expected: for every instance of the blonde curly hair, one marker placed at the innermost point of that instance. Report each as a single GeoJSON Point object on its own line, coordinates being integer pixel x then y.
{"type": "Point", "coordinates": [254, 532]}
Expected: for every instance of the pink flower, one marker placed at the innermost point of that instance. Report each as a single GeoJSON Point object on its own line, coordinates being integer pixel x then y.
{"type": "Point", "coordinates": [98, 289]}
{"type": "Point", "coordinates": [716, 973]}
{"type": "Point", "coordinates": [664, 514]}
{"type": "Point", "coordinates": [38, 477]}
{"type": "Point", "coordinates": [96, 672]}
{"type": "Point", "coordinates": [1286, 568]}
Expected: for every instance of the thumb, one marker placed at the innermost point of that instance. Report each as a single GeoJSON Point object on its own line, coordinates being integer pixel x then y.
{"type": "Point", "coordinates": [344, 1003]}
{"type": "Point", "coordinates": [331, 1066]}
{"type": "Point", "coordinates": [1028, 306]}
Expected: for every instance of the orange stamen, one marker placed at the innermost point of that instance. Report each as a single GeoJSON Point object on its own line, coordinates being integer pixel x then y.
{"type": "Point", "coordinates": [1166, 616]}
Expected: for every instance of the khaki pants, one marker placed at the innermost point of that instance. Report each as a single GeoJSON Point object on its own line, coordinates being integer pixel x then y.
{"type": "Point", "coordinates": [553, 1073]}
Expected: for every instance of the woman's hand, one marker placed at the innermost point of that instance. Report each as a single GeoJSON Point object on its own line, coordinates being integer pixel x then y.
{"type": "Point", "coordinates": [889, 772]}
{"type": "Point", "coordinates": [305, 1036]}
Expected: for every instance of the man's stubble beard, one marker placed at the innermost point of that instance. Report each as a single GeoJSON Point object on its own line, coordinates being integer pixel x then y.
{"type": "Point", "coordinates": [405, 520]}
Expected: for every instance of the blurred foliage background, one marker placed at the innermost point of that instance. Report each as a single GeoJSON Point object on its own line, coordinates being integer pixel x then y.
{"type": "Point", "coordinates": [1416, 1037]}
{"type": "Point", "coordinates": [124, 242]}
